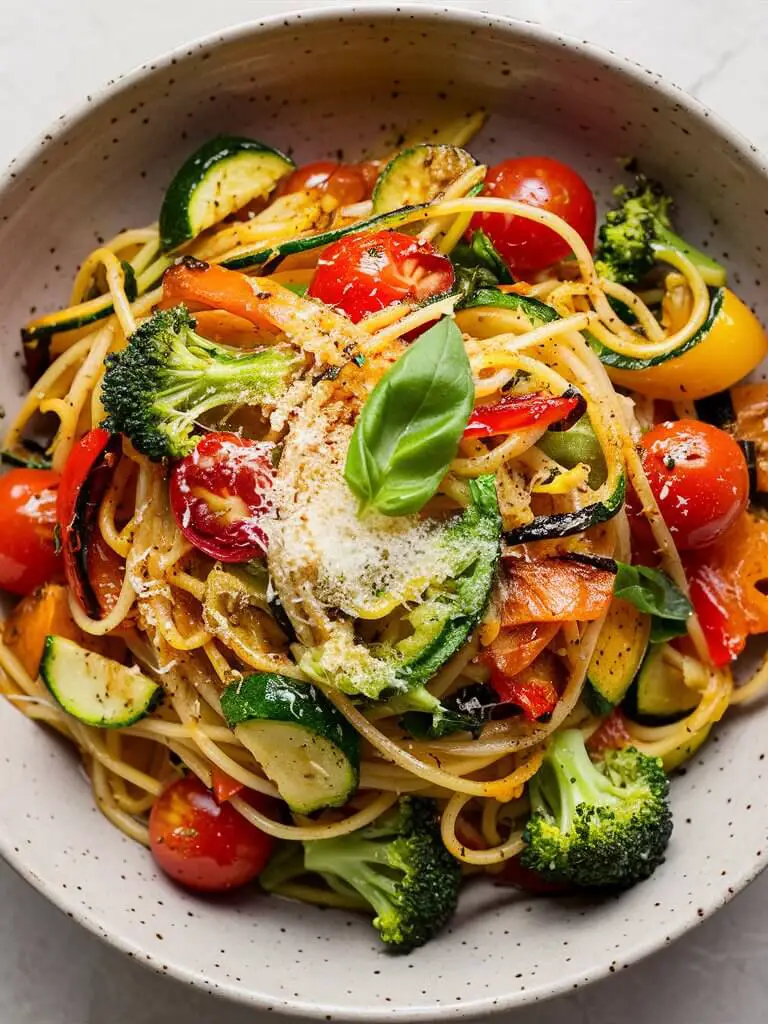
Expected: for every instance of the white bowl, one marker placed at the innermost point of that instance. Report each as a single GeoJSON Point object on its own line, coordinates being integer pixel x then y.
{"type": "Point", "coordinates": [315, 83]}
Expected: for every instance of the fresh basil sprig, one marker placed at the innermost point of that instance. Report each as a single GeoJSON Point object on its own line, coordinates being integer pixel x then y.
{"type": "Point", "coordinates": [409, 429]}
{"type": "Point", "coordinates": [652, 591]}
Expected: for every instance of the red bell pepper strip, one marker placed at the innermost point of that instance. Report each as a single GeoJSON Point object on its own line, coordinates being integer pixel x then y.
{"type": "Point", "coordinates": [516, 412]}
{"type": "Point", "coordinates": [717, 607]}
{"type": "Point", "coordinates": [83, 484]}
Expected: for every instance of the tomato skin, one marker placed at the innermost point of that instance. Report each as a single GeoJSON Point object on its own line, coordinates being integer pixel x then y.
{"type": "Point", "coordinates": [361, 274]}
{"type": "Point", "coordinates": [347, 183]}
{"type": "Point", "coordinates": [204, 845]}
{"type": "Point", "coordinates": [699, 478]}
{"type": "Point", "coordinates": [28, 554]}
{"type": "Point", "coordinates": [549, 185]}
{"type": "Point", "coordinates": [612, 734]}
{"type": "Point", "coordinates": [220, 492]}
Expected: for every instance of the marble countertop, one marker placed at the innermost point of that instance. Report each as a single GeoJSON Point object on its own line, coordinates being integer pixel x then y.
{"type": "Point", "coordinates": [51, 54]}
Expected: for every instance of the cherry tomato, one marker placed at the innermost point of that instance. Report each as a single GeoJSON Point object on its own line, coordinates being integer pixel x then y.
{"type": "Point", "coordinates": [202, 844]}
{"type": "Point", "coordinates": [361, 274]}
{"type": "Point", "coordinates": [347, 183]}
{"type": "Point", "coordinates": [699, 478]}
{"type": "Point", "coordinates": [28, 554]}
{"type": "Point", "coordinates": [219, 494]}
{"type": "Point", "coordinates": [612, 734]}
{"type": "Point", "coordinates": [549, 185]}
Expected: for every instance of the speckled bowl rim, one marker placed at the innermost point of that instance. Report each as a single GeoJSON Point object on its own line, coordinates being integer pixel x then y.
{"type": "Point", "coordinates": [686, 918]}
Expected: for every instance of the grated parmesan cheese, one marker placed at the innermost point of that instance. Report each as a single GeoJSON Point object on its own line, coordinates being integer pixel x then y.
{"type": "Point", "coordinates": [366, 566]}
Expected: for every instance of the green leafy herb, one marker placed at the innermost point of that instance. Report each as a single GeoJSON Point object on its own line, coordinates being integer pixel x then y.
{"type": "Point", "coordinates": [130, 285]}
{"type": "Point", "coordinates": [478, 265]}
{"type": "Point", "coordinates": [411, 425]}
{"type": "Point", "coordinates": [652, 591]}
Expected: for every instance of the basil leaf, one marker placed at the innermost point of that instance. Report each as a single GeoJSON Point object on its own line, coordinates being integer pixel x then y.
{"type": "Point", "coordinates": [409, 429]}
{"type": "Point", "coordinates": [666, 629]}
{"type": "Point", "coordinates": [652, 591]}
{"type": "Point", "coordinates": [478, 265]}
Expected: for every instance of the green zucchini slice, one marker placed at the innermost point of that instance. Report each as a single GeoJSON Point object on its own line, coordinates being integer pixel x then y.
{"type": "Point", "coordinates": [93, 689]}
{"type": "Point", "coordinates": [256, 256]}
{"type": "Point", "coordinates": [305, 746]}
{"type": "Point", "coordinates": [620, 649]}
{"type": "Point", "coordinates": [219, 178]}
{"type": "Point", "coordinates": [566, 524]}
{"type": "Point", "coordinates": [418, 175]}
{"type": "Point", "coordinates": [620, 362]}
{"type": "Point", "coordinates": [660, 695]}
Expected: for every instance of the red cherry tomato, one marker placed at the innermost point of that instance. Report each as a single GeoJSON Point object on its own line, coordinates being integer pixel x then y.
{"type": "Point", "coordinates": [361, 274]}
{"type": "Point", "coordinates": [202, 844]}
{"type": "Point", "coordinates": [699, 478]}
{"type": "Point", "coordinates": [347, 183]}
{"type": "Point", "coordinates": [27, 521]}
{"type": "Point", "coordinates": [548, 185]}
{"type": "Point", "coordinates": [219, 494]}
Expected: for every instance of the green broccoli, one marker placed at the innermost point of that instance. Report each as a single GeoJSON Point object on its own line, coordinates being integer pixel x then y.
{"type": "Point", "coordinates": [398, 865]}
{"type": "Point", "coordinates": [595, 825]}
{"type": "Point", "coordinates": [633, 234]}
{"type": "Point", "coordinates": [158, 387]}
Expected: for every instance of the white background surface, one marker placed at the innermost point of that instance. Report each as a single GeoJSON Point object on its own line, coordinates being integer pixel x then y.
{"type": "Point", "coordinates": [53, 52]}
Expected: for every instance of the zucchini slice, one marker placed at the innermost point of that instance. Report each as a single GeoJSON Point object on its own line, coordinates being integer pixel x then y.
{"type": "Point", "coordinates": [220, 177]}
{"type": "Point", "coordinates": [93, 689]}
{"type": "Point", "coordinates": [305, 746]}
{"type": "Point", "coordinates": [659, 694]}
{"type": "Point", "coordinates": [566, 524]}
{"type": "Point", "coordinates": [418, 175]}
{"type": "Point", "coordinates": [258, 256]}
{"type": "Point", "coordinates": [620, 362]}
{"type": "Point", "coordinates": [620, 649]}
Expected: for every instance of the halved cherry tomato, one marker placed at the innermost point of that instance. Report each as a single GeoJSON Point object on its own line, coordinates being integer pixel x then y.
{"type": "Point", "coordinates": [549, 185]}
{"type": "Point", "coordinates": [516, 412]}
{"type": "Point", "coordinates": [347, 183]}
{"type": "Point", "coordinates": [361, 274]}
{"type": "Point", "coordinates": [699, 478]}
{"type": "Point", "coordinates": [27, 522]}
{"type": "Point", "coordinates": [224, 786]}
{"type": "Point", "coordinates": [202, 844]}
{"type": "Point", "coordinates": [554, 590]}
{"type": "Point", "coordinates": [220, 493]}
{"type": "Point", "coordinates": [84, 481]}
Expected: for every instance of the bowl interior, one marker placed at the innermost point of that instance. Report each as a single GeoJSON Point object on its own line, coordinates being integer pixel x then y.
{"type": "Point", "coordinates": [317, 86]}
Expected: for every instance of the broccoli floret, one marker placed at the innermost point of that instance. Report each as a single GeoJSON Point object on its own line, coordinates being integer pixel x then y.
{"type": "Point", "coordinates": [632, 234]}
{"type": "Point", "coordinates": [400, 866]}
{"type": "Point", "coordinates": [595, 825]}
{"type": "Point", "coordinates": [168, 376]}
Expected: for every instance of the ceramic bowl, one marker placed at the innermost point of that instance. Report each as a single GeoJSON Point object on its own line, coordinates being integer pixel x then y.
{"type": "Point", "coordinates": [317, 83]}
